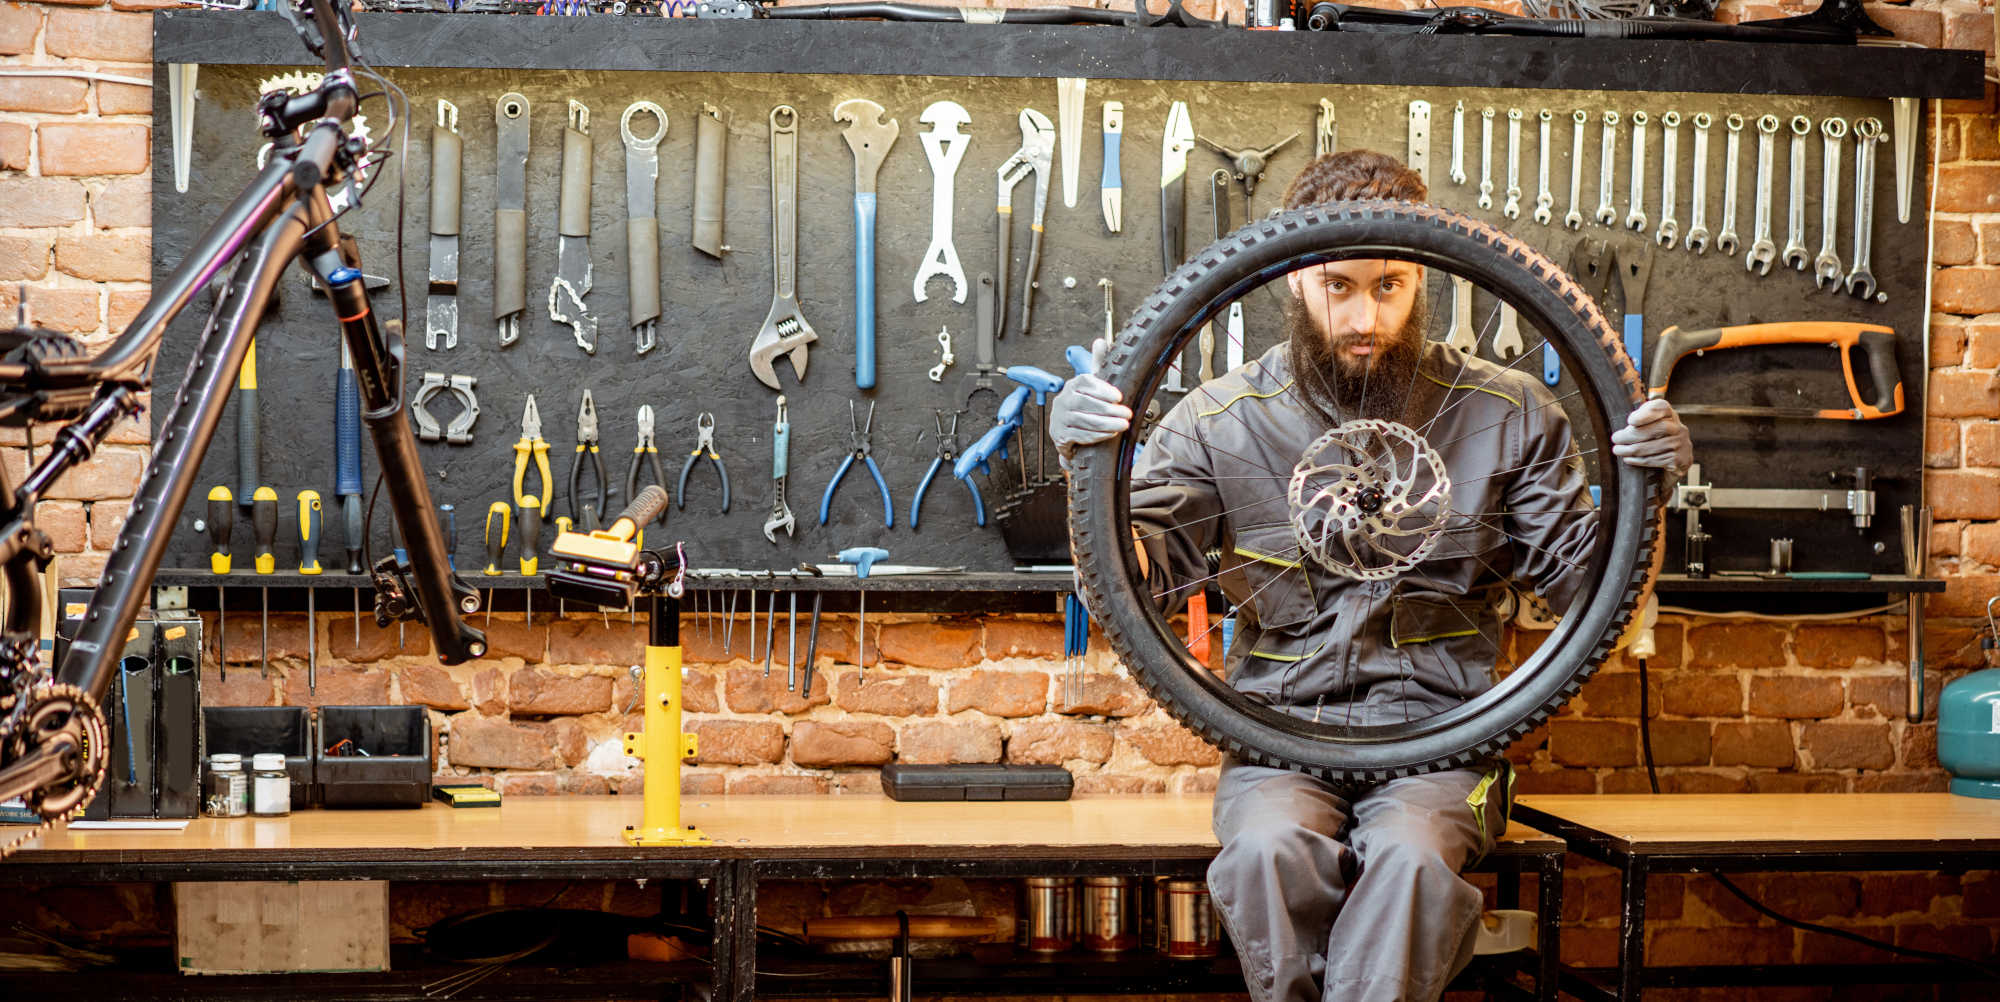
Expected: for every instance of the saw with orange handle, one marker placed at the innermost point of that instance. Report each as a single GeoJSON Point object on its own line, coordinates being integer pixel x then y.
{"type": "Point", "coordinates": [1878, 342]}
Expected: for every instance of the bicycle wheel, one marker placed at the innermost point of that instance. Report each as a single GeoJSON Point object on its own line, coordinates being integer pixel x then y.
{"type": "Point", "coordinates": [1367, 572]}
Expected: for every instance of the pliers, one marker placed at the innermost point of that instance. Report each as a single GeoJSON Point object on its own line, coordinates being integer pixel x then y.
{"type": "Point", "coordinates": [947, 457]}
{"type": "Point", "coordinates": [589, 518]}
{"type": "Point", "coordinates": [647, 452]}
{"type": "Point", "coordinates": [863, 450]}
{"type": "Point", "coordinates": [531, 444]}
{"type": "Point", "coordinates": [704, 443]}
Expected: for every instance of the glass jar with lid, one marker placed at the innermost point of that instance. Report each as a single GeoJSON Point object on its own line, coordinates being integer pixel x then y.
{"type": "Point", "coordinates": [270, 786]}
{"type": "Point", "coordinates": [226, 791]}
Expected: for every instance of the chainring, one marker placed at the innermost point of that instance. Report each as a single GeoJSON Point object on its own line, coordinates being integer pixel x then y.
{"type": "Point", "coordinates": [60, 714]}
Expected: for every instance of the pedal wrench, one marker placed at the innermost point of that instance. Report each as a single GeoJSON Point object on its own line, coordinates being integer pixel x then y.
{"type": "Point", "coordinates": [642, 223]}
{"type": "Point", "coordinates": [1726, 241]}
{"type": "Point", "coordinates": [1795, 201]}
{"type": "Point", "coordinates": [1635, 220]}
{"type": "Point", "coordinates": [510, 216]}
{"type": "Point", "coordinates": [869, 138]}
{"type": "Point", "coordinates": [1544, 200]}
{"type": "Point", "coordinates": [1826, 266]}
{"type": "Point", "coordinates": [572, 281]}
{"type": "Point", "coordinates": [447, 162]}
{"type": "Point", "coordinates": [1573, 219]}
{"type": "Point", "coordinates": [1669, 231]}
{"type": "Point", "coordinates": [1607, 157]}
{"type": "Point", "coordinates": [944, 147]}
{"type": "Point", "coordinates": [1697, 234]}
{"type": "Point", "coordinates": [1762, 249]}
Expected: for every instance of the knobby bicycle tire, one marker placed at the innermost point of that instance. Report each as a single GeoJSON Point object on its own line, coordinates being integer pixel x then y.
{"type": "Point", "coordinates": [1630, 510]}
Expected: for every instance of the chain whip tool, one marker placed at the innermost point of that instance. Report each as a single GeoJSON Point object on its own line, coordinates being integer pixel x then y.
{"type": "Point", "coordinates": [572, 281]}
{"type": "Point", "coordinates": [1607, 156]}
{"type": "Point", "coordinates": [1485, 158]}
{"type": "Point", "coordinates": [1763, 250]}
{"type": "Point", "coordinates": [1697, 234]}
{"type": "Point", "coordinates": [1635, 220]}
{"type": "Point", "coordinates": [510, 216]}
{"type": "Point", "coordinates": [1544, 200]}
{"type": "Point", "coordinates": [1726, 242]}
{"type": "Point", "coordinates": [1670, 152]}
{"type": "Point", "coordinates": [1573, 219]}
{"type": "Point", "coordinates": [642, 223]}
{"type": "Point", "coordinates": [447, 159]}
{"type": "Point", "coordinates": [1826, 266]}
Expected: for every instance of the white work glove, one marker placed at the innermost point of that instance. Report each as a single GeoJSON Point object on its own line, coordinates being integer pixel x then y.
{"type": "Point", "coordinates": [1654, 437]}
{"type": "Point", "coordinates": [1088, 410]}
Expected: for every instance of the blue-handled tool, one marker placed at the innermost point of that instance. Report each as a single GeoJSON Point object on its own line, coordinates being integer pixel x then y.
{"type": "Point", "coordinates": [994, 442]}
{"type": "Point", "coordinates": [947, 454]}
{"type": "Point", "coordinates": [1079, 359]}
{"type": "Point", "coordinates": [1112, 187]}
{"type": "Point", "coordinates": [863, 450]}
{"type": "Point", "coordinates": [1041, 383]}
{"type": "Point", "coordinates": [1634, 268]}
{"type": "Point", "coordinates": [863, 558]}
{"type": "Point", "coordinates": [870, 138]}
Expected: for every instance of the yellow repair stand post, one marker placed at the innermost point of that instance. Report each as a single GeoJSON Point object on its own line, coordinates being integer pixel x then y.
{"type": "Point", "coordinates": [662, 744]}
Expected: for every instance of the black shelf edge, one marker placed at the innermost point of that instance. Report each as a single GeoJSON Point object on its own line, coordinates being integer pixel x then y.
{"type": "Point", "coordinates": [981, 581]}
{"type": "Point", "coordinates": [866, 48]}
{"type": "Point", "coordinates": [1894, 584]}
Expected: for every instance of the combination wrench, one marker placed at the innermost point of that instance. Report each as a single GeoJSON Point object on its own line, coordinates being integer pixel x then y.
{"type": "Point", "coordinates": [944, 146]}
{"type": "Point", "coordinates": [1762, 250]}
{"type": "Point", "coordinates": [1697, 234]}
{"type": "Point", "coordinates": [1635, 220]}
{"type": "Point", "coordinates": [1512, 210]}
{"type": "Point", "coordinates": [1574, 218]}
{"type": "Point", "coordinates": [1607, 215]}
{"type": "Point", "coordinates": [1726, 241]}
{"type": "Point", "coordinates": [1795, 204]}
{"type": "Point", "coordinates": [1457, 143]}
{"type": "Point", "coordinates": [1670, 152]}
{"type": "Point", "coordinates": [1544, 201]}
{"type": "Point", "coordinates": [1485, 158]}
{"type": "Point", "coordinates": [1826, 267]}
{"type": "Point", "coordinates": [1861, 281]}
{"type": "Point", "coordinates": [642, 223]}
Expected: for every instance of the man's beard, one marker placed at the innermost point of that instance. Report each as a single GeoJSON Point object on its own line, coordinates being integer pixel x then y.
{"type": "Point", "coordinates": [1343, 387]}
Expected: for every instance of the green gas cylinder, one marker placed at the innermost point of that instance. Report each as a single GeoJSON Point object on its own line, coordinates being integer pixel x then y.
{"type": "Point", "coordinates": [1969, 734]}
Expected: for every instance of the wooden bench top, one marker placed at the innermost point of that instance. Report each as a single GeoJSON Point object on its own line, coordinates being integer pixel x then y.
{"type": "Point", "coordinates": [857, 826]}
{"type": "Point", "coordinates": [1726, 823]}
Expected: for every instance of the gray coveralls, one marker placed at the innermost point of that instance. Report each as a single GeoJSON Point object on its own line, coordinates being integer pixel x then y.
{"type": "Point", "coordinates": [1352, 891]}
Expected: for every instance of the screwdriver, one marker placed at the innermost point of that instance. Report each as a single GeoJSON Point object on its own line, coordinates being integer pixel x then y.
{"type": "Point", "coordinates": [249, 444]}
{"type": "Point", "coordinates": [531, 543]}
{"type": "Point", "coordinates": [221, 519]}
{"type": "Point", "coordinates": [309, 530]}
{"type": "Point", "coordinates": [264, 522]}
{"type": "Point", "coordinates": [496, 548]}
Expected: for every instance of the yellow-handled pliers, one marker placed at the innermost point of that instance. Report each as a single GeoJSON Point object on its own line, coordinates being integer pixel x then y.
{"type": "Point", "coordinates": [531, 444]}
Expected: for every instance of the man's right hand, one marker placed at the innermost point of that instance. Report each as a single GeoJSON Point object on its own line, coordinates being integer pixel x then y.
{"type": "Point", "coordinates": [1088, 410]}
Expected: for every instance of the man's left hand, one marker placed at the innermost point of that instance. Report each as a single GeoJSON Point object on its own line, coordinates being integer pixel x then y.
{"type": "Point", "coordinates": [1655, 437]}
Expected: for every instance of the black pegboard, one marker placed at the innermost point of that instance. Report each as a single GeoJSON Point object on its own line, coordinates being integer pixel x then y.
{"type": "Point", "coordinates": [713, 309]}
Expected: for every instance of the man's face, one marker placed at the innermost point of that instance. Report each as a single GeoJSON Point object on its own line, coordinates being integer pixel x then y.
{"type": "Point", "coordinates": [1361, 306]}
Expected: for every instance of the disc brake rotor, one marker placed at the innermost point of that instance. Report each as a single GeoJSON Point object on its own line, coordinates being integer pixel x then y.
{"type": "Point", "coordinates": [1369, 499]}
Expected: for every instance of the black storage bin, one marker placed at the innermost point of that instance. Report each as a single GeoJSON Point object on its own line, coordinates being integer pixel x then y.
{"type": "Point", "coordinates": [395, 772]}
{"type": "Point", "coordinates": [252, 730]}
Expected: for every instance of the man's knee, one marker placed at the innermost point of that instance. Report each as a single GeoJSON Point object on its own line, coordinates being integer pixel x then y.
{"type": "Point", "coordinates": [1416, 843]}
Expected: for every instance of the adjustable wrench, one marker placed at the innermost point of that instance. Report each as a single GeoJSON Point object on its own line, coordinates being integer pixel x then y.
{"type": "Point", "coordinates": [642, 222]}
{"type": "Point", "coordinates": [1457, 143]}
{"type": "Point", "coordinates": [1697, 235]}
{"type": "Point", "coordinates": [1635, 220]}
{"type": "Point", "coordinates": [1507, 340]}
{"type": "Point", "coordinates": [1762, 250]}
{"type": "Point", "coordinates": [1544, 201]}
{"type": "Point", "coordinates": [1861, 281]}
{"type": "Point", "coordinates": [781, 449]}
{"type": "Point", "coordinates": [572, 281]}
{"type": "Point", "coordinates": [1607, 156]}
{"type": "Point", "coordinates": [1573, 219]}
{"type": "Point", "coordinates": [1826, 267]}
{"type": "Point", "coordinates": [1670, 152]}
{"type": "Point", "coordinates": [1512, 210]}
{"type": "Point", "coordinates": [1486, 158]}
{"type": "Point", "coordinates": [1795, 211]}
{"type": "Point", "coordinates": [447, 157]}
{"type": "Point", "coordinates": [785, 330]}
{"type": "Point", "coordinates": [944, 147]}
{"type": "Point", "coordinates": [1462, 336]}
{"type": "Point", "coordinates": [510, 216]}
{"type": "Point", "coordinates": [869, 137]}
{"type": "Point", "coordinates": [1726, 241]}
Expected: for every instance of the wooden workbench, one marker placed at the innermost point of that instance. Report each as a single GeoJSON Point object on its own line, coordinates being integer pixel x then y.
{"type": "Point", "coordinates": [1772, 832]}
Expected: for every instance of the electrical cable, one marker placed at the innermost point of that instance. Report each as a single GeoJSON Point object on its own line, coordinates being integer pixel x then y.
{"type": "Point", "coordinates": [1653, 779]}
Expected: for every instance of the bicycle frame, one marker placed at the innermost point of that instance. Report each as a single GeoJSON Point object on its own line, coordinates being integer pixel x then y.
{"type": "Point", "coordinates": [267, 226]}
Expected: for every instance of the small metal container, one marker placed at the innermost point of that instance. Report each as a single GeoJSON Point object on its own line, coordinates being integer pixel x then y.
{"type": "Point", "coordinates": [1110, 914]}
{"type": "Point", "coordinates": [1192, 929]}
{"type": "Point", "coordinates": [1048, 921]}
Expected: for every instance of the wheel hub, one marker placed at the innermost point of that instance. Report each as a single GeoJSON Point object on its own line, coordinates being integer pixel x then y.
{"type": "Point", "coordinates": [1369, 499]}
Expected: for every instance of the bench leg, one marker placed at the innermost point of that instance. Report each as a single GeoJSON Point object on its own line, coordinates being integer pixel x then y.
{"type": "Point", "coordinates": [1632, 931]}
{"type": "Point", "coordinates": [1548, 944]}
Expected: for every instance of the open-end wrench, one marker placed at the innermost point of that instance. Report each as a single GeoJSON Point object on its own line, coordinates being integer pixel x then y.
{"type": "Point", "coordinates": [1486, 158]}
{"type": "Point", "coordinates": [1574, 218]}
{"type": "Point", "coordinates": [1607, 156]}
{"type": "Point", "coordinates": [1826, 267]}
{"type": "Point", "coordinates": [1635, 220]}
{"type": "Point", "coordinates": [1762, 249]}
{"type": "Point", "coordinates": [1795, 205]}
{"type": "Point", "coordinates": [869, 138]}
{"type": "Point", "coordinates": [1697, 234]}
{"type": "Point", "coordinates": [642, 223]}
{"type": "Point", "coordinates": [510, 215]}
{"type": "Point", "coordinates": [572, 281]}
{"type": "Point", "coordinates": [1462, 335]}
{"type": "Point", "coordinates": [1544, 200]}
{"type": "Point", "coordinates": [1861, 281]}
{"type": "Point", "coordinates": [785, 330]}
{"type": "Point", "coordinates": [781, 450]}
{"type": "Point", "coordinates": [1507, 341]}
{"type": "Point", "coordinates": [447, 153]}
{"type": "Point", "coordinates": [1457, 143]}
{"type": "Point", "coordinates": [944, 147]}
{"type": "Point", "coordinates": [1670, 152]}
{"type": "Point", "coordinates": [1512, 210]}
{"type": "Point", "coordinates": [1726, 241]}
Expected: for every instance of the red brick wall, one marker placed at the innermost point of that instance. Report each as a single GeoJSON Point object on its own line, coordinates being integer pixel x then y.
{"type": "Point", "coordinates": [1749, 706]}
